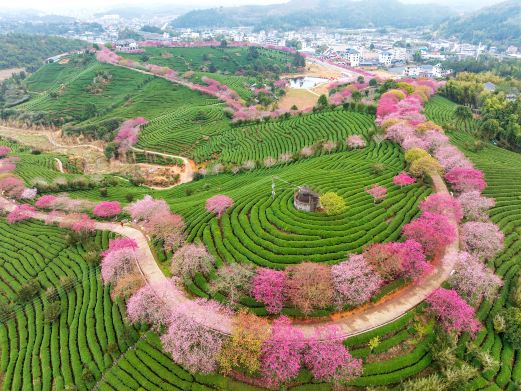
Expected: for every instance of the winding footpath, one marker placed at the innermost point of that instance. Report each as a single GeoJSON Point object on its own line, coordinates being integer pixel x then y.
{"type": "Point", "coordinates": [367, 318]}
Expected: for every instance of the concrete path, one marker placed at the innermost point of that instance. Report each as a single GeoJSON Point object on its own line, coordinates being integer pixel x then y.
{"type": "Point", "coordinates": [359, 321]}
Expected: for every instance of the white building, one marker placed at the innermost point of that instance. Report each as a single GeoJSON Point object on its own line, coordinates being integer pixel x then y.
{"type": "Point", "coordinates": [126, 45]}
{"type": "Point", "coordinates": [385, 58]}
{"type": "Point", "coordinates": [399, 54]}
{"type": "Point", "coordinates": [354, 57]}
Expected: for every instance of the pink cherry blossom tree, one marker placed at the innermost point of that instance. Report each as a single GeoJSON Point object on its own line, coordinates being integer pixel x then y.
{"type": "Point", "coordinates": [28, 194]}
{"type": "Point", "coordinates": [20, 213]}
{"type": "Point", "coordinates": [168, 228]}
{"type": "Point", "coordinates": [328, 359]}
{"type": "Point", "coordinates": [4, 151]}
{"type": "Point", "coordinates": [442, 204]}
{"type": "Point", "coordinates": [45, 202]}
{"type": "Point", "coordinates": [148, 304]}
{"type": "Point", "coordinates": [466, 179]}
{"type": "Point", "coordinates": [282, 352]}
{"type": "Point", "coordinates": [269, 287]}
{"type": "Point", "coordinates": [12, 186]}
{"type": "Point", "coordinates": [117, 262]}
{"type": "Point", "coordinates": [453, 313]}
{"type": "Point", "coordinates": [218, 204]}
{"type": "Point", "coordinates": [403, 179]}
{"type": "Point", "coordinates": [188, 340]}
{"type": "Point", "coordinates": [119, 243]}
{"type": "Point", "coordinates": [412, 258]}
{"type": "Point", "coordinates": [377, 192]}
{"type": "Point", "coordinates": [144, 209]}
{"type": "Point", "coordinates": [107, 209]}
{"type": "Point", "coordinates": [191, 259]}
{"type": "Point", "coordinates": [7, 166]}
{"type": "Point", "coordinates": [355, 141]}
{"type": "Point", "coordinates": [475, 206]}
{"type": "Point", "coordinates": [484, 240]}
{"type": "Point", "coordinates": [433, 231]}
{"type": "Point", "coordinates": [354, 281]}
{"type": "Point", "coordinates": [473, 280]}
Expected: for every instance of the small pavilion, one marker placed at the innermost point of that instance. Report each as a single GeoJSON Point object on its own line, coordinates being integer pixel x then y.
{"type": "Point", "coordinates": [306, 199]}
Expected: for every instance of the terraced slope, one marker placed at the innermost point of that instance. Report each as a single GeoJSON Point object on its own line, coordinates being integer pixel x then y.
{"type": "Point", "coordinates": [441, 111]}
{"type": "Point", "coordinates": [89, 334]}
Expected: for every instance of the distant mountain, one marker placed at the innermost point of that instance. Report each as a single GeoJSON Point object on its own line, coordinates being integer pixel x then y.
{"type": "Point", "coordinates": [318, 13]}
{"type": "Point", "coordinates": [498, 25]}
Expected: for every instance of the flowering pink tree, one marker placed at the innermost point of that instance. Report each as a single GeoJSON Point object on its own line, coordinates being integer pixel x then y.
{"type": "Point", "coordinates": [412, 258]}
{"type": "Point", "coordinates": [128, 133]}
{"type": "Point", "coordinates": [81, 223]}
{"type": "Point", "coordinates": [107, 209]}
{"type": "Point", "coordinates": [484, 240]}
{"type": "Point", "coordinates": [20, 213]}
{"type": "Point", "coordinates": [191, 259]}
{"type": "Point", "coordinates": [119, 243]}
{"type": "Point", "coordinates": [168, 228]}
{"type": "Point", "coordinates": [354, 281]}
{"type": "Point", "coordinates": [442, 204]}
{"type": "Point", "coordinates": [4, 151]}
{"type": "Point", "coordinates": [189, 342]}
{"type": "Point", "coordinates": [148, 305]}
{"type": "Point", "coordinates": [6, 166]}
{"type": "Point", "coordinates": [328, 359]}
{"type": "Point", "coordinates": [144, 209]}
{"type": "Point", "coordinates": [218, 204]}
{"type": "Point", "coordinates": [403, 179]}
{"type": "Point", "coordinates": [269, 287]}
{"type": "Point", "coordinates": [451, 157]}
{"type": "Point", "coordinates": [433, 231]}
{"type": "Point", "coordinates": [28, 194]}
{"type": "Point", "coordinates": [475, 206]}
{"type": "Point", "coordinates": [118, 261]}
{"type": "Point", "coordinates": [45, 202]}
{"type": "Point", "coordinates": [355, 141]}
{"type": "Point", "coordinates": [473, 280]}
{"type": "Point", "coordinates": [466, 179]}
{"type": "Point", "coordinates": [12, 186]}
{"type": "Point", "coordinates": [454, 314]}
{"type": "Point", "coordinates": [377, 192]}
{"type": "Point", "coordinates": [282, 352]}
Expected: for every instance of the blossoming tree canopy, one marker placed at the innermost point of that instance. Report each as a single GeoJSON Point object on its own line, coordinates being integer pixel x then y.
{"type": "Point", "coordinates": [328, 359]}
{"type": "Point", "coordinates": [218, 204]}
{"type": "Point", "coordinates": [191, 259]}
{"type": "Point", "coordinates": [403, 179]}
{"type": "Point", "coordinates": [107, 209]}
{"type": "Point", "coordinates": [355, 141]}
{"type": "Point", "coordinates": [454, 314]}
{"type": "Point", "coordinates": [4, 151]}
{"type": "Point", "coordinates": [355, 281]}
{"type": "Point", "coordinates": [475, 206]}
{"type": "Point", "coordinates": [20, 213]}
{"type": "Point", "coordinates": [482, 239]}
{"type": "Point", "coordinates": [442, 204]}
{"type": "Point", "coordinates": [144, 209]}
{"type": "Point", "coordinates": [269, 287]}
{"type": "Point", "coordinates": [377, 192]}
{"type": "Point", "coordinates": [282, 352]}
{"type": "Point", "coordinates": [433, 231]}
{"type": "Point", "coordinates": [466, 179]}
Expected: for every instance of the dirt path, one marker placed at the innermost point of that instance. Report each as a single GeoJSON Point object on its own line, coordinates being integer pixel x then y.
{"type": "Point", "coordinates": [59, 165]}
{"type": "Point", "coordinates": [367, 318]}
{"type": "Point", "coordinates": [188, 171]}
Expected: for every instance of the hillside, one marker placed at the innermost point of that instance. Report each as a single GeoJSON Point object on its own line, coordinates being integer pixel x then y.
{"type": "Point", "coordinates": [497, 25]}
{"type": "Point", "coordinates": [320, 13]}
{"type": "Point", "coordinates": [28, 51]}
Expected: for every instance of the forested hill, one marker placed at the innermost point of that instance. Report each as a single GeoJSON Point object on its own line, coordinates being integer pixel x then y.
{"type": "Point", "coordinates": [496, 25]}
{"type": "Point", "coordinates": [28, 51]}
{"type": "Point", "coordinates": [321, 13]}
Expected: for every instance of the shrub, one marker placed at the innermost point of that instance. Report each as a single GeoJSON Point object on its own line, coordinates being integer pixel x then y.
{"type": "Point", "coordinates": [332, 203]}
{"type": "Point", "coordinates": [103, 192]}
{"type": "Point", "coordinates": [67, 283]}
{"type": "Point", "coordinates": [52, 294]}
{"type": "Point", "coordinates": [52, 312]}
{"type": "Point", "coordinates": [28, 291]}
{"type": "Point", "coordinates": [377, 168]}
{"type": "Point", "coordinates": [6, 311]}
{"type": "Point", "coordinates": [512, 318]}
